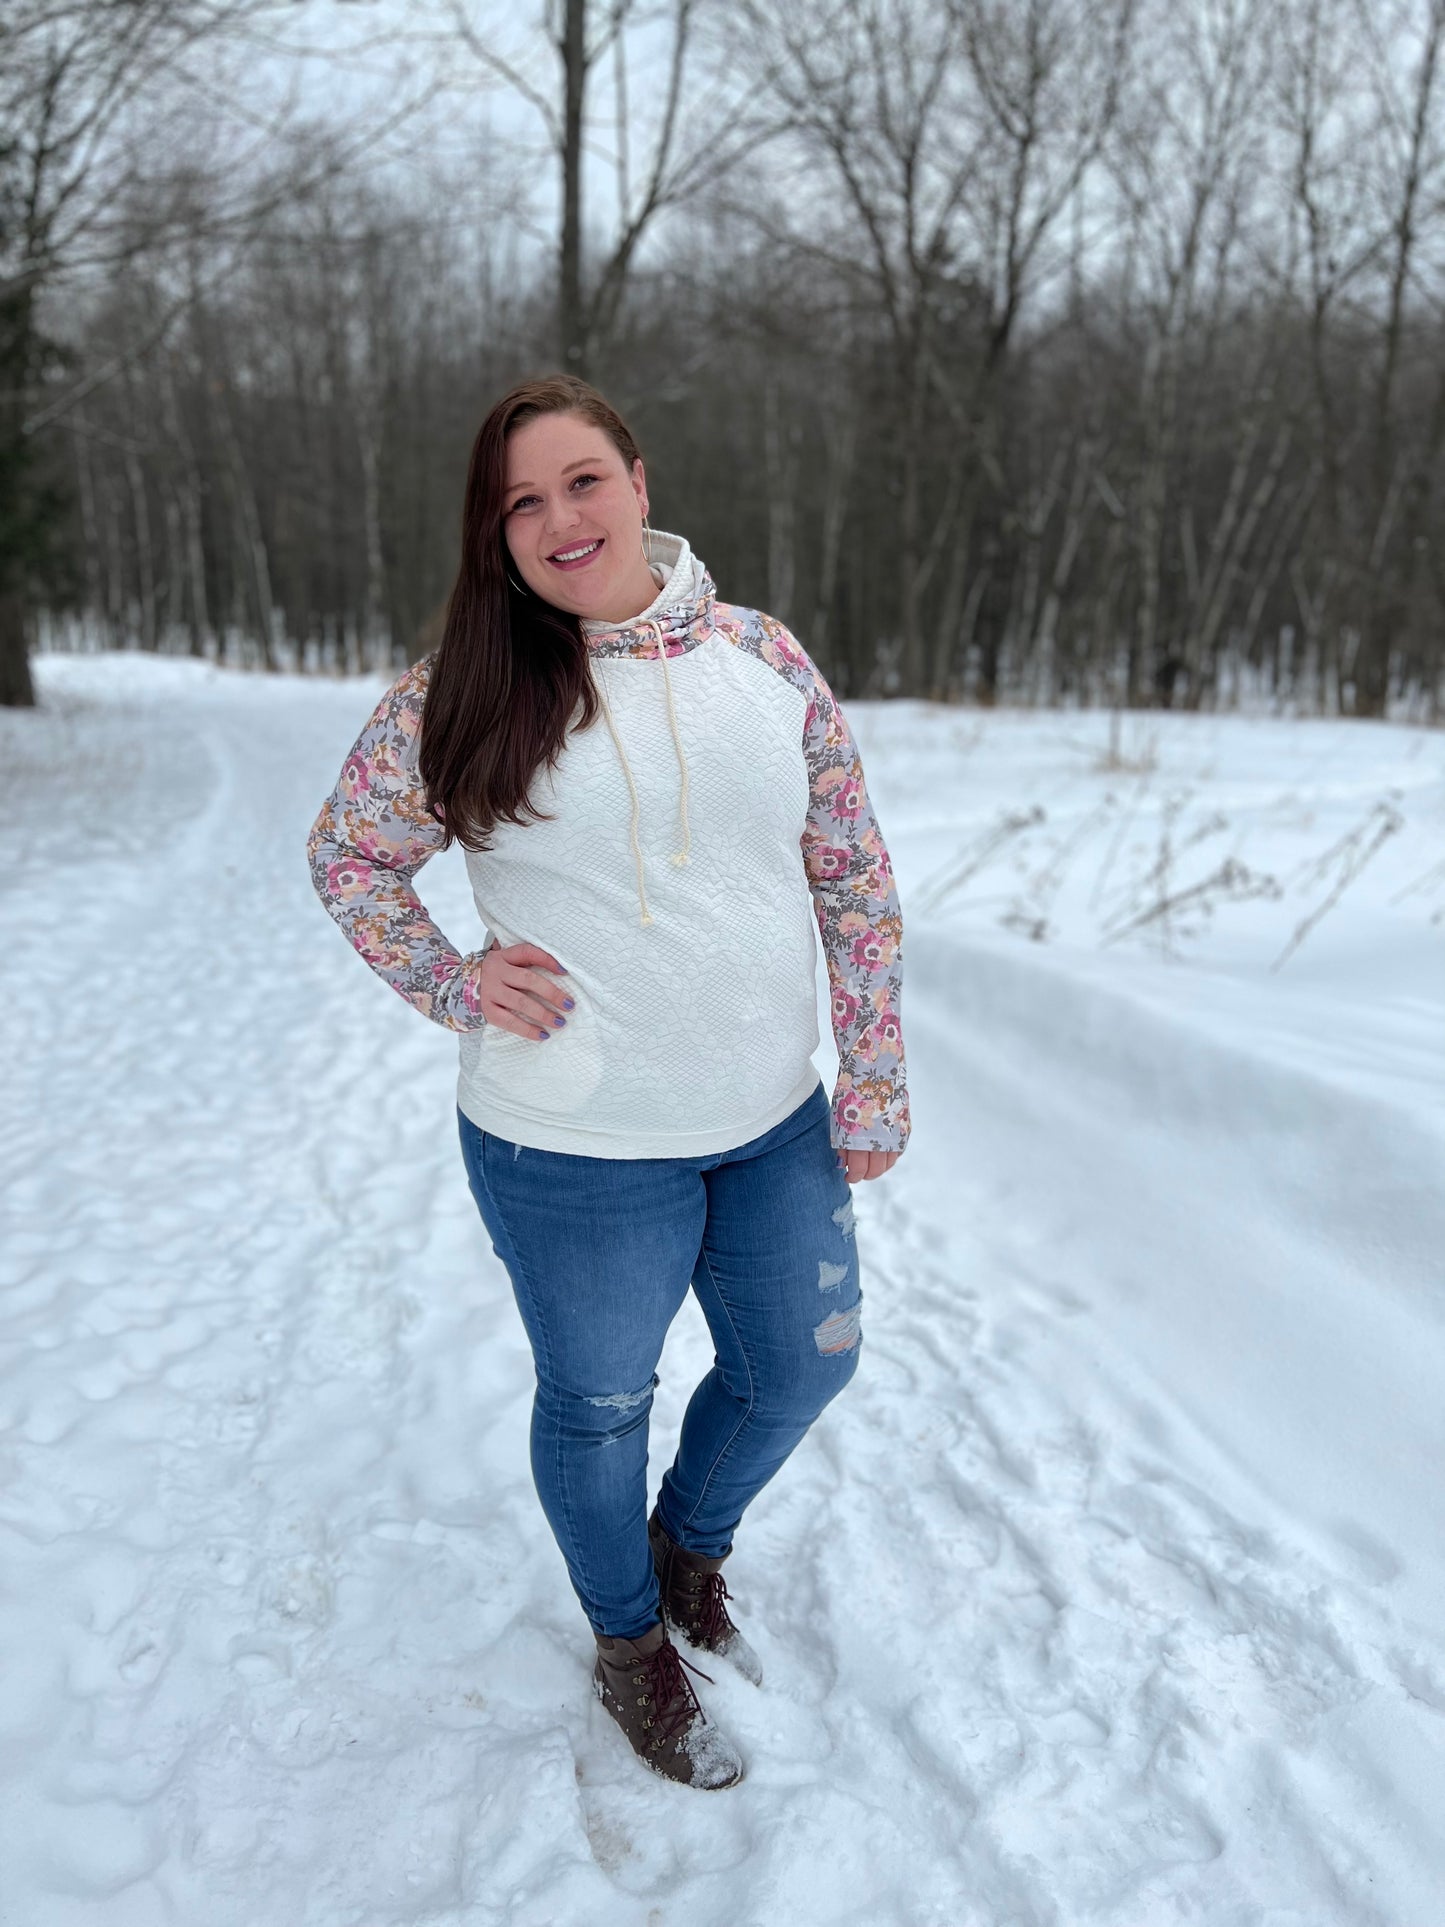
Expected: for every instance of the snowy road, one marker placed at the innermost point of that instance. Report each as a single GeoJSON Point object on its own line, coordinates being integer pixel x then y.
{"type": "Point", "coordinates": [1110, 1592]}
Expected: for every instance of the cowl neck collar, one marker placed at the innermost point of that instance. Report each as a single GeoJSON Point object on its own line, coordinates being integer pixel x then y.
{"type": "Point", "coordinates": [680, 613]}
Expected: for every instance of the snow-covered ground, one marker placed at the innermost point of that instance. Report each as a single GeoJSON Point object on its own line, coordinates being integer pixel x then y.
{"type": "Point", "coordinates": [1112, 1591]}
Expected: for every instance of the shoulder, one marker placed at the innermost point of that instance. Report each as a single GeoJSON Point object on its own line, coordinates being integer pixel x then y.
{"type": "Point", "coordinates": [398, 713]}
{"type": "Point", "coordinates": [759, 634]}
{"type": "Point", "coordinates": [409, 689]}
{"type": "Point", "coordinates": [384, 759]}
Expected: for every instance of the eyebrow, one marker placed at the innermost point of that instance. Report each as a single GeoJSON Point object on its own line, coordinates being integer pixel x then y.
{"type": "Point", "coordinates": [587, 461]}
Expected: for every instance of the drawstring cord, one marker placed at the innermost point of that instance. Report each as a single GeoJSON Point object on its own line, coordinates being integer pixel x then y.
{"type": "Point", "coordinates": [679, 856]}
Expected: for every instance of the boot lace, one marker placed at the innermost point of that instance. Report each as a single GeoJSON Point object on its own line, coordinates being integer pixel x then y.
{"type": "Point", "coordinates": [708, 1616]}
{"type": "Point", "coordinates": [675, 1704]}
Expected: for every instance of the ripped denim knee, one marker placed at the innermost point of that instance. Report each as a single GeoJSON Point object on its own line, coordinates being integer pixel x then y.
{"type": "Point", "coordinates": [603, 1416]}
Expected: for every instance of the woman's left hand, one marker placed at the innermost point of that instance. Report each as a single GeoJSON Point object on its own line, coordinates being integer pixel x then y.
{"type": "Point", "coordinates": [867, 1164]}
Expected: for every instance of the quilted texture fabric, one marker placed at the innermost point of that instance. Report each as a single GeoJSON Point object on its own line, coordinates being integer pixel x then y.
{"type": "Point", "coordinates": [693, 1032]}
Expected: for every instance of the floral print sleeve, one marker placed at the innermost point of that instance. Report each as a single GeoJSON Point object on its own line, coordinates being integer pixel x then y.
{"type": "Point", "coordinates": [371, 837]}
{"type": "Point", "coordinates": [856, 902]}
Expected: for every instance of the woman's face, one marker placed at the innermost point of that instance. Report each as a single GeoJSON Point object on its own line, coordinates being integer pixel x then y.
{"type": "Point", "coordinates": [572, 517]}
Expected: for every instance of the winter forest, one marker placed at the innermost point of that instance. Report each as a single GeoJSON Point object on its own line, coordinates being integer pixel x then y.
{"type": "Point", "coordinates": [1073, 351]}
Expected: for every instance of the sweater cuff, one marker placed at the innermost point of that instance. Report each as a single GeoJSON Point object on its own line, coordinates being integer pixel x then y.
{"type": "Point", "coordinates": [458, 1003]}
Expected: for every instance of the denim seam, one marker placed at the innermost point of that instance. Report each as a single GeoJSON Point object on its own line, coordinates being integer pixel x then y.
{"type": "Point", "coordinates": [722, 1456]}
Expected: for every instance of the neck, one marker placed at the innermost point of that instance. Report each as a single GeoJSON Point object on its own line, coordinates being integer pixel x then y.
{"type": "Point", "coordinates": [641, 590]}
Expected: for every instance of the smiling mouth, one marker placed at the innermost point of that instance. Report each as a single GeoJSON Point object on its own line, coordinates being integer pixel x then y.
{"type": "Point", "coordinates": [576, 557]}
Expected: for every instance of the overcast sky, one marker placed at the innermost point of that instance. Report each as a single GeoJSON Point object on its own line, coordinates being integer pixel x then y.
{"type": "Point", "coordinates": [403, 66]}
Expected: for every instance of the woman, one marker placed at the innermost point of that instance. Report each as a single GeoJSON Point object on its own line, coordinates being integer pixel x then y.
{"type": "Point", "coordinates": [637, 1104]}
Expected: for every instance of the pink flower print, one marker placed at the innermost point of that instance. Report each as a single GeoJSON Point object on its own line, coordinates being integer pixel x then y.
{"type": "Point", "coordinates": [845, 1006]}
{"type": "Point", "coordinates": [877, 855]}
{"type": "Point", "coordinates": [848, 1108]}
{"type": "Point", "coordinates": [348, 878]}
{"type": "Point", "coordinates": [381, 955]}
{"type": "Point", "coordinates": [829, 860]}
{"type": "Point", "coordinates": [848, 800]}
{"type": "Point", "coordinates": [790, 650]}
{"type": "Point", "coordinates": [889, 1031]}
{"type": "Point", "coordinates": [385, 762]}
{"type": "Point", "coordinates": [870, 951]}
{"type": "Point", "coordinates": [355, 780]}
{"type": "Point", "coordinates": [378, 848]}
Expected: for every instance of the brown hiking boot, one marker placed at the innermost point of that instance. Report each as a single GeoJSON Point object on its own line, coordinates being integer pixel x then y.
{"type": "Point", "coordinates": [693, 1601]}
{"type": "Point", "coordinates": [642, 1684]}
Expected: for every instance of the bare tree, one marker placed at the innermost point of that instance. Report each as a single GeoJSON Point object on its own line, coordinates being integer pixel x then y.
{"type": "Point", "coordinates": [1186, 158]}
{"type": "Point", "coordinates": [90, 182]}
{"type": "Point", "coordinates": [1062, 352]}
{"type": "Point", "coordinates": [1406, 443]}
{"type": "Point", "coordinates": [1360, 105]}
{"type": "Point", "coordinates": [686, 151]}
{"type": "Point", "coordinates": [957, 136]}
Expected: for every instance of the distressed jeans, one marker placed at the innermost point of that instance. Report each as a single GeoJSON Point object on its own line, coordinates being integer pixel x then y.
{"type": "Point", "coordinates": [600, 1252]}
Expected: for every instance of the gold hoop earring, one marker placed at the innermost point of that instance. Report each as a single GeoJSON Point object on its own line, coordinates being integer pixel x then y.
{"type": "Point", "coordinates": [646, 537]}
{"type": "Point", "coordinates": [514, 582]}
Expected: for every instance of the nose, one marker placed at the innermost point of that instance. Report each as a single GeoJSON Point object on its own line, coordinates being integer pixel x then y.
{"type": "Point", "coordinates": [561, 516]}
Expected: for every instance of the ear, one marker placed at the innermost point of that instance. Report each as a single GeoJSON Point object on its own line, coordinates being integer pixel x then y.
{"type": "Point", "coordinates": [639, 484]}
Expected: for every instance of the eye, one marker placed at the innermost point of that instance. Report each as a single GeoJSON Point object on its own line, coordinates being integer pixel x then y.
{"type": "Point", "coordinates": [582, 478]}
{"type": "Point", "coordinates": [521, 502]}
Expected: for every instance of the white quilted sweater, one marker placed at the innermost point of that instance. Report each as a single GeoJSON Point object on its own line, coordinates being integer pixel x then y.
{"type": "Point", "coordinates": [694, 1032]}
{"type": "Point", "coordinates": [703, 831]}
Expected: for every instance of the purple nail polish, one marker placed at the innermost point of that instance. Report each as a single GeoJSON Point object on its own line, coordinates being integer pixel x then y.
{"type": "Point", "coordinates": [567, 1003]}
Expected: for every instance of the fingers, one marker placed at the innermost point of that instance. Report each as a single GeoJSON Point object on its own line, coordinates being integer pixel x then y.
{"type": "Point", "coordinates": [529, 1013]}
{"type": "Point", "coordinates": [523, 967]}
{"type": "Point", "coordinates": [529, 953]}
{"type": "Point", "coordinates": [529, 1022]}
{"type": "Point", "coordinates": [523, 998]}
{"type": "Point", "coordinates": [530, 992]}
{"type": "Point", "coordinates": [861, 1165]}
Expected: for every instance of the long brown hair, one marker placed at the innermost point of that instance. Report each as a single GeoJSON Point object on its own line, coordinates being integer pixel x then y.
{"type": "Point", "coordinates": [510, 669]}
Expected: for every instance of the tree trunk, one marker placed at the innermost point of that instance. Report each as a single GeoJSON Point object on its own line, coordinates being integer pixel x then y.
{"type": "Point", "coordinates": [840, 435]}
{"type": "Point", "coordinates": [910, 534]}
{"type": "Point", "coordinates": [195, 601]}
{"type": "Point", "coordinates": [571, 329]}
{"type": "Point", "coordinates": [90, 535]}
{"type": "Point", "coordinates": [17, 357]}
{"type": "Point", "coordinates": [17, 690]}
{"type": "Point", "coordinates": [781, 467]}
{"type": "Point", "coordinates": [144, 553]}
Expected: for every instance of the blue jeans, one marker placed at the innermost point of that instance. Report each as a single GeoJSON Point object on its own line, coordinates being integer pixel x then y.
{"type": "Point", "coordinates": [601, 1252]}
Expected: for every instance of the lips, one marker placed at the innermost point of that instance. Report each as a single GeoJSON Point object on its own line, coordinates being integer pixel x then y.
{"type": "Point", "coordinates": [576, 555]}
